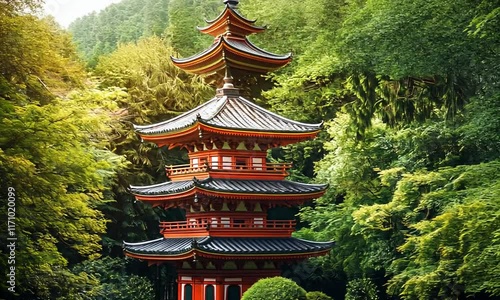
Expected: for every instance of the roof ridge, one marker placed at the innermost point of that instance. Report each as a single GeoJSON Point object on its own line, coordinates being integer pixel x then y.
{"type": "Point", "coordinates": [224, 100]}
{"type": "Point", "coordinates": [278, 116]}
{"type": "Point", "coordinates": [177, 117]}
{"type": "Point", "coordinates": [289, 54]}
{"type": "Point", "coordinates": [142, 243]}
{"type": "Point", "coordinates": [157, 184]}
{"type": "Point", "coordinates": [314, 242]}
{"type": "Point", "coordinates": [227, 41]}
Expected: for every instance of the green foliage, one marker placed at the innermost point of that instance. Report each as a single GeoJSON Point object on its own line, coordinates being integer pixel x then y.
{"type": "Point", "coordinates": [156, 87]}
{"type": "Point", "coordinates": [389, 216]}
{"type": "Point", "coordinates": [317, 296]}
{"type": "Point", "coordinates": [184, 17]}
{"type": "Point", "coordinates": [37, 59]}
{"type": "Point", "coordinates": [100, 33]}
{"type": "Point", "coordinates": [114, 282]}
{"type": "Point", "coordinates": [53, 152]}
{"type": "Point", "coordinates": [453, 217]}
{"type": "Point", "coordinates": [59, 174]}
{"type": "Point", "coordinates": [361, 289]}
{"type": "Point", "coordinates": [275, 288]}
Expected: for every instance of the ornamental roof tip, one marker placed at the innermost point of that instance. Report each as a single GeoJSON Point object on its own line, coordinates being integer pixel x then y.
{"type": "Point", "coordinates": [331, 243]}
{"type": "Point", "coordinates": [232, 7]}
{"type": "Point", "coordinates": [141, 243]}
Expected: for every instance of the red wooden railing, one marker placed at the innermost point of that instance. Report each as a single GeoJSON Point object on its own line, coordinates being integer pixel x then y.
{"type": "Point", "coordinates": [225, 223]}
{"type": "Point", "coordinates": [267, 168]}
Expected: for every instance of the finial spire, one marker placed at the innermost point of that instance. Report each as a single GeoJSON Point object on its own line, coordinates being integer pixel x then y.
{"type": "Point", "coordinates": [228, 88]}
{"type": "Point", "coordinates": [232, 3]}
{"type": "Point", "coordinates": [228, 79]}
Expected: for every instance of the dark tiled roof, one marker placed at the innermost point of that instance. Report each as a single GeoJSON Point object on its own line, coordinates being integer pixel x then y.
{"type": "Point", "coordinates": [167, 246]}
{"type": "Point", "coordinates": [227, 245]}
{"type": "Point", "coordinates": [170, 187]}
{"type": "Point", "coordinates": [232, 113]}
{"type": "Point", "coordinates": [232, 186]}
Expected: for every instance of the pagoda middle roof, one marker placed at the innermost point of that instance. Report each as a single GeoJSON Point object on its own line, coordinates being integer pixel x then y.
{"type": "Point", "coordinates": [227, 245]}
{"type": "Point", "coordinates": [228, 112]}
{"type": "Point", "coordinates": [283, 187]}
{"type": "Point", "coordinates": [233, 51]}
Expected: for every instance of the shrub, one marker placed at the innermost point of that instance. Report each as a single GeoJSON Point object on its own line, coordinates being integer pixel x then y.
{"type": "Point", "coordinates": [317, 296]}
{"type": "Point", "coordinates": [275, 288]}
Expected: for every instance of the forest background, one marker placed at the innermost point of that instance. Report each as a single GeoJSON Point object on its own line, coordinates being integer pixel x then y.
{"type": "Point", "coordinates": [409, 92]}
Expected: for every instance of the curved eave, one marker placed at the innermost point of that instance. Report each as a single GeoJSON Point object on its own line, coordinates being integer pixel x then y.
{"type": "Point", "coordinates": [178, 196]}
{"type": "Point", "coordinates": [273, 134]}
{"type": "Point", "coordinates": [188, 118]}
{"type": "Point", "coordinates": [223, 256]}
{"type": "Point", "coordinates": [275, 256]}
{"type": "Point", "coordinates": [261, 196]}
{"type": "Point", "coordinates": [224, 53]}
{"type": "Point", "coordinates": [156, 257]}
{"type": "Point", "coordinates": [192, 253]}
{"type": "Point", "coordinates": [188, 194]}
{"type": "Point", "coordinates": [192, 132]}
{"type": "Point", "coordinates": [228, 19]}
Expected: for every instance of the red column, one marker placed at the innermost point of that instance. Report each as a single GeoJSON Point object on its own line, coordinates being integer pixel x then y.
{"type": "Point", "coordinates": [219, 291]}
{"type": "Point", "coordinates": [198, 291]}
{"type": "Point", "coordinates": [179, 290]}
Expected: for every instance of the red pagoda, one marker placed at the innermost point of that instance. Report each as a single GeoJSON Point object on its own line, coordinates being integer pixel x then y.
{"type": "Point", "coordinates": [226, 243]}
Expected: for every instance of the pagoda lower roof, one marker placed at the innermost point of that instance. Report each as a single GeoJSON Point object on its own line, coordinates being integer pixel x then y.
{"type": "Point", "coordinates": [233, 51]}
{"type": "Point", "coordinates": [233, 115]}
{"type": "Point", "coordinates": [219, 246]}
{"type": "Point", "coordinates": [252, 187]}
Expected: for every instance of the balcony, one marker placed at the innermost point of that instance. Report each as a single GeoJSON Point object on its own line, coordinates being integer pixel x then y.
{"type": "Point", "coordinates": [268, 169]}
{"type": "Point", "coordinates": [225, 226]}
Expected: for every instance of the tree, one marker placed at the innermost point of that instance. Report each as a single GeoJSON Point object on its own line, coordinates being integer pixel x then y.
{"type": "Point", "coordinates": [115, 282]}
{"type": "Point", "coordinates": [98, 34]}
{"type": "Point", "coordinates": [53, 158]}
{"type": "Point", "coordinates": [184, 16]}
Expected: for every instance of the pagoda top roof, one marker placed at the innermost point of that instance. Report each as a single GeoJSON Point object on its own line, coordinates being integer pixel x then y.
{"type": "Point", "coordinates": [230, 21]}
{"type": "Point", "coordinates": [226, 112]}
{"type": "Point", "coordinates": [173, 248]}
{"type": "Point", "coordinates": [282, 187]}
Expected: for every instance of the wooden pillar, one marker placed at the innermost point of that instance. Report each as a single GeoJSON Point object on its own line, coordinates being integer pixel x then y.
{"type": "Point", "coordinates": [179, 290]}
{"type": "Point", "coordinates": [219, 290]}
{"type": "Point", "coordinates": [198, 291]}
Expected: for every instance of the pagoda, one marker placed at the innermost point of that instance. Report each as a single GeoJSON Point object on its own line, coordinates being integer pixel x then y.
{"type": "Point", "coordinates": [227, 241]}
